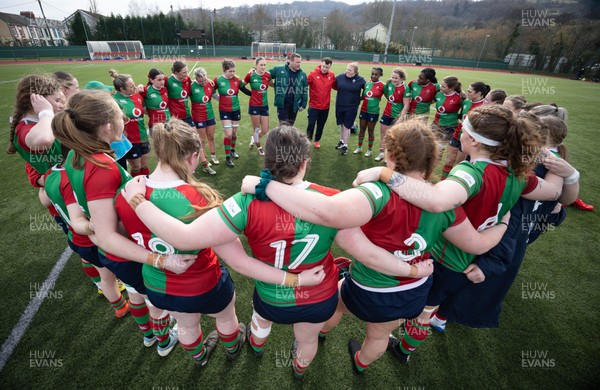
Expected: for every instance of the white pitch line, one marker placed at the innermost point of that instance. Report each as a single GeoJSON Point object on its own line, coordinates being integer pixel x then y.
{"type": "Point", "coordinates": [9, 81]}
{"type": "Point", "coordinates": [193, 67]}
{"type": "Point", "coordinates": [34, 305]}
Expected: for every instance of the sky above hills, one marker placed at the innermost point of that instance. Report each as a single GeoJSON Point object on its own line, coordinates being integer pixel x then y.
{"type": "Point", "coordinates": [60, 9]}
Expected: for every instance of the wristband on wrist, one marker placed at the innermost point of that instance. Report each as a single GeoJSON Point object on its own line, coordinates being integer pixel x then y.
{"type": "Point", "coordinates": [44, 113]}
{"type": "Point", "coordinates": [156, 260]}
{"type": "Point", "coordinates": [135, 201]}
{"type": "Point", "coordinates": [260, 190]}
{"type": "Point", "coordinates": [572, 179]}
{"type": "Point", "coordinates": [503, 223]}
{"type": "Point", "coordinates": [291, 280]}
{"type": "Point", "coordinates": [413, 271]}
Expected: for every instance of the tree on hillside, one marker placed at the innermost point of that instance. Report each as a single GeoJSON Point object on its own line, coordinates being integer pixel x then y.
{"type": "Point", "coordinates": [337, 30]}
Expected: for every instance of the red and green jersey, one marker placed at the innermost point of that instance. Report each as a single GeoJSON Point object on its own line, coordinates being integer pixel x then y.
{"type": "Point", "coordinates": [403, 229]}
{"type": "Point", "coordinates": [228, 90]}
{"type": "Point", "coordinates": [176, 198]}
{"type": "Point", "coordinates": [258, 86]}
{"type": "Point", "coordinates": [59, 190]}
{"type": "Point", "coordinates": [178, 92]}
{"type": "Point", "coordinates": [283, 241]}
{"type": "Point", "coordinates": [422, 96]}
{"type": "Point", "coordinates": [467, 106]}
{"type": "Point", "coordinates": [40, 159]}
{"type": "Point", "coordinates": [133, 108]}
{"type": "Point", "coordinates": [493, 190]}
{"type": "Point", "coordinates": [395, 96]}
{"type": "Point", "coordinates": [95, 182]}
{"type": "Point", "coordinates": [372, 96]}
{"type": "Point", "coordinates": [156, 102]}
{"type": "Point", "coordinates": [446, 109]}
{"type": "Point", "coordinates": [202, 109]}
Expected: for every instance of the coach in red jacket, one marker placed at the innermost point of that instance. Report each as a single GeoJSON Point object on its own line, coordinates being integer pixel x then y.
{"type": "Point", "coordinates": [320, 83]}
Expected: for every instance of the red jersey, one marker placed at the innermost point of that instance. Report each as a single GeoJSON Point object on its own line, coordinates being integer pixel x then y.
{"type": "Point", "coordinates": [319, 88]}
{"type": "Point", "coordinates": [177, 199]}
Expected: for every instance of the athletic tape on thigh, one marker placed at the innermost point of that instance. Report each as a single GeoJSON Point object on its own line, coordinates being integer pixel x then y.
{"type": "Point", "coordinates": [227, 126]}
{"type": "Point", "coordinates": [236, 125]}
{"type": "Point", "coordinates": [259, 332]}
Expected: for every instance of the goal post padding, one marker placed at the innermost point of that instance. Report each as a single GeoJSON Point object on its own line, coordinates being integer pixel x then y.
{"type": "Point", "coordinates": [271, 50]}
{"type": "Point", "coordinates": [100, 50]}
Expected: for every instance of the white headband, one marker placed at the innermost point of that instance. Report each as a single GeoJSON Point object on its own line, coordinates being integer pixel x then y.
{"type": "Point", "coordinates": [466, 125]}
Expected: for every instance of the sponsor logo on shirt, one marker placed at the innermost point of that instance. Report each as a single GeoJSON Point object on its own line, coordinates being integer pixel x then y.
{"type": "Point", "coordinates": [376, 191]}
{"type": "Point", "coordinates": [466, 177]}
{"type": "Point", "coordinates": [232, 207]}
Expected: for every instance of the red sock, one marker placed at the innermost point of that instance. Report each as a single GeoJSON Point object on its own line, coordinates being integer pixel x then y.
{"type": "Point", "coordinates": [227, 144]}
{"type": "Point", "coordinates": [145, 171]}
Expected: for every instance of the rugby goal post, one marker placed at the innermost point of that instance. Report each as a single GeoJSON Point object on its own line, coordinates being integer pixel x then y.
{"type": "Point", "coordinates": [110, 50]}
{"type": "Point", "coordinates": [272, 50]}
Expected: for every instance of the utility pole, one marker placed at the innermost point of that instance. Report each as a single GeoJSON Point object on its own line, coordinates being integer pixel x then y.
{"type": "Point", "coordinates": [46, 22]}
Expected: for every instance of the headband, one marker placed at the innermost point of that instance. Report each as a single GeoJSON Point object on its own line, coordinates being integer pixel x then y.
{"type": "Point", "coordinates": [476, 136]}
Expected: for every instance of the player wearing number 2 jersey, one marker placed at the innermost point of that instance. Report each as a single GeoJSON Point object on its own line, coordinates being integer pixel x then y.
{"type": "Point", "coordinates": [374, 295]}
{"type": "Point", "coordinates": [280, 241]}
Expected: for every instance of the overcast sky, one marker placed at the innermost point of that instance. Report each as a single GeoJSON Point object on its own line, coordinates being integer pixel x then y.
{"type": "Point", "coordinates": [60, 9]}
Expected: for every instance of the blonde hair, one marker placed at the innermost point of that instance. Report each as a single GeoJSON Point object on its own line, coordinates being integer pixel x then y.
{"type": "Point", "coordinates": [78, 127]}
{"type": "Point", "coordinates": [174, 141]}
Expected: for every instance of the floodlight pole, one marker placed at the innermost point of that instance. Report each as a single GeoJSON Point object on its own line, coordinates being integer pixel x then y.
{"type": "Point", "coordinates": [412, 38]}
{"type": "Point", "coordinates": [323, 35]}
{"type": "Point", "coordinates": [212, 29]}
{"type": "Point", "coordinates": [481, 52]}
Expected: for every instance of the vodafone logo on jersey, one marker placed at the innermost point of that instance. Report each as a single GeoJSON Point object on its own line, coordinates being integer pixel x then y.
{"type": "Point", "coordinates": [205, 99]}
{"type": "Point", "coordinates": [263, 87]}
{"type": "Point", "coordinates": [137, 112]}
{"type": "Point", "coordinates": [163, 104]}
{"type": "Point", "coordinates": [442, 109]}
{"type": "Point", "coordinates": [419, 99]}
{"type": "Point", "coordinates": [230, 92]}
{"type": "Point", "coordinates": [369, 94]}
{"type": "Point", "coordinates": [184, 94]}
{"type": "Point", "coordinates": [392, 99]}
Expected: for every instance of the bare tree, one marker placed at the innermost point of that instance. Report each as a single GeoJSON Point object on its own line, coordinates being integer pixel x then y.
{"type": "Point", "coordinates": [93, 6]}
{"type": "Point", "coordinates": [260, 18]}
{"type": "Point", "coordinates": [337, 30]}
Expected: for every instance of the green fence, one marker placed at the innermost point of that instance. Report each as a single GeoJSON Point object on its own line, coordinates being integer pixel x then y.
{"type": "Point", "coordinates": [192, 50]}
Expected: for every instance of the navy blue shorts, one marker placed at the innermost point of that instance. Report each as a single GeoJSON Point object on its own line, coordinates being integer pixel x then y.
{"type": "Point", "coordinates": [87, 253]}
{"type": "Point", "coordinates": [214, 301]}
{"type": "Point", "coordinates": [445, 283]}
{"type": "Point", "coordinates": [129, 272]}
{"type": "Point", "coordinates": [230, 116]}
{"type": "Point", "coordinates": [443, 133]}
{"type": "Point", "coordinates": [369, 117]}
{"type": "Point", "coordinates": [138, 150]}
{"type": "Point", "coordinates": [345, 116]}
{"type": "Point", "coordinates": [201, 125]}
{"type": "Point", "coordinates": [189, 121]}
{"type": "Point", "coordinates": [258, 110]}
{"type": "Point", "coordinates": [371, 306]}
{"type": "Point", "coordinates": [386, 120]}
{"type": "Point", "coordinates": [314, 313]}
{"type": "Point", "coordinates": [63, 225]}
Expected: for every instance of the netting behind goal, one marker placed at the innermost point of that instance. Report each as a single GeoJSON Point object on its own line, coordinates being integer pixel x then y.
{"type": "Point", "coordinates": [101, 50]}
{"type": "Point", "coordinates": [272, 50]}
